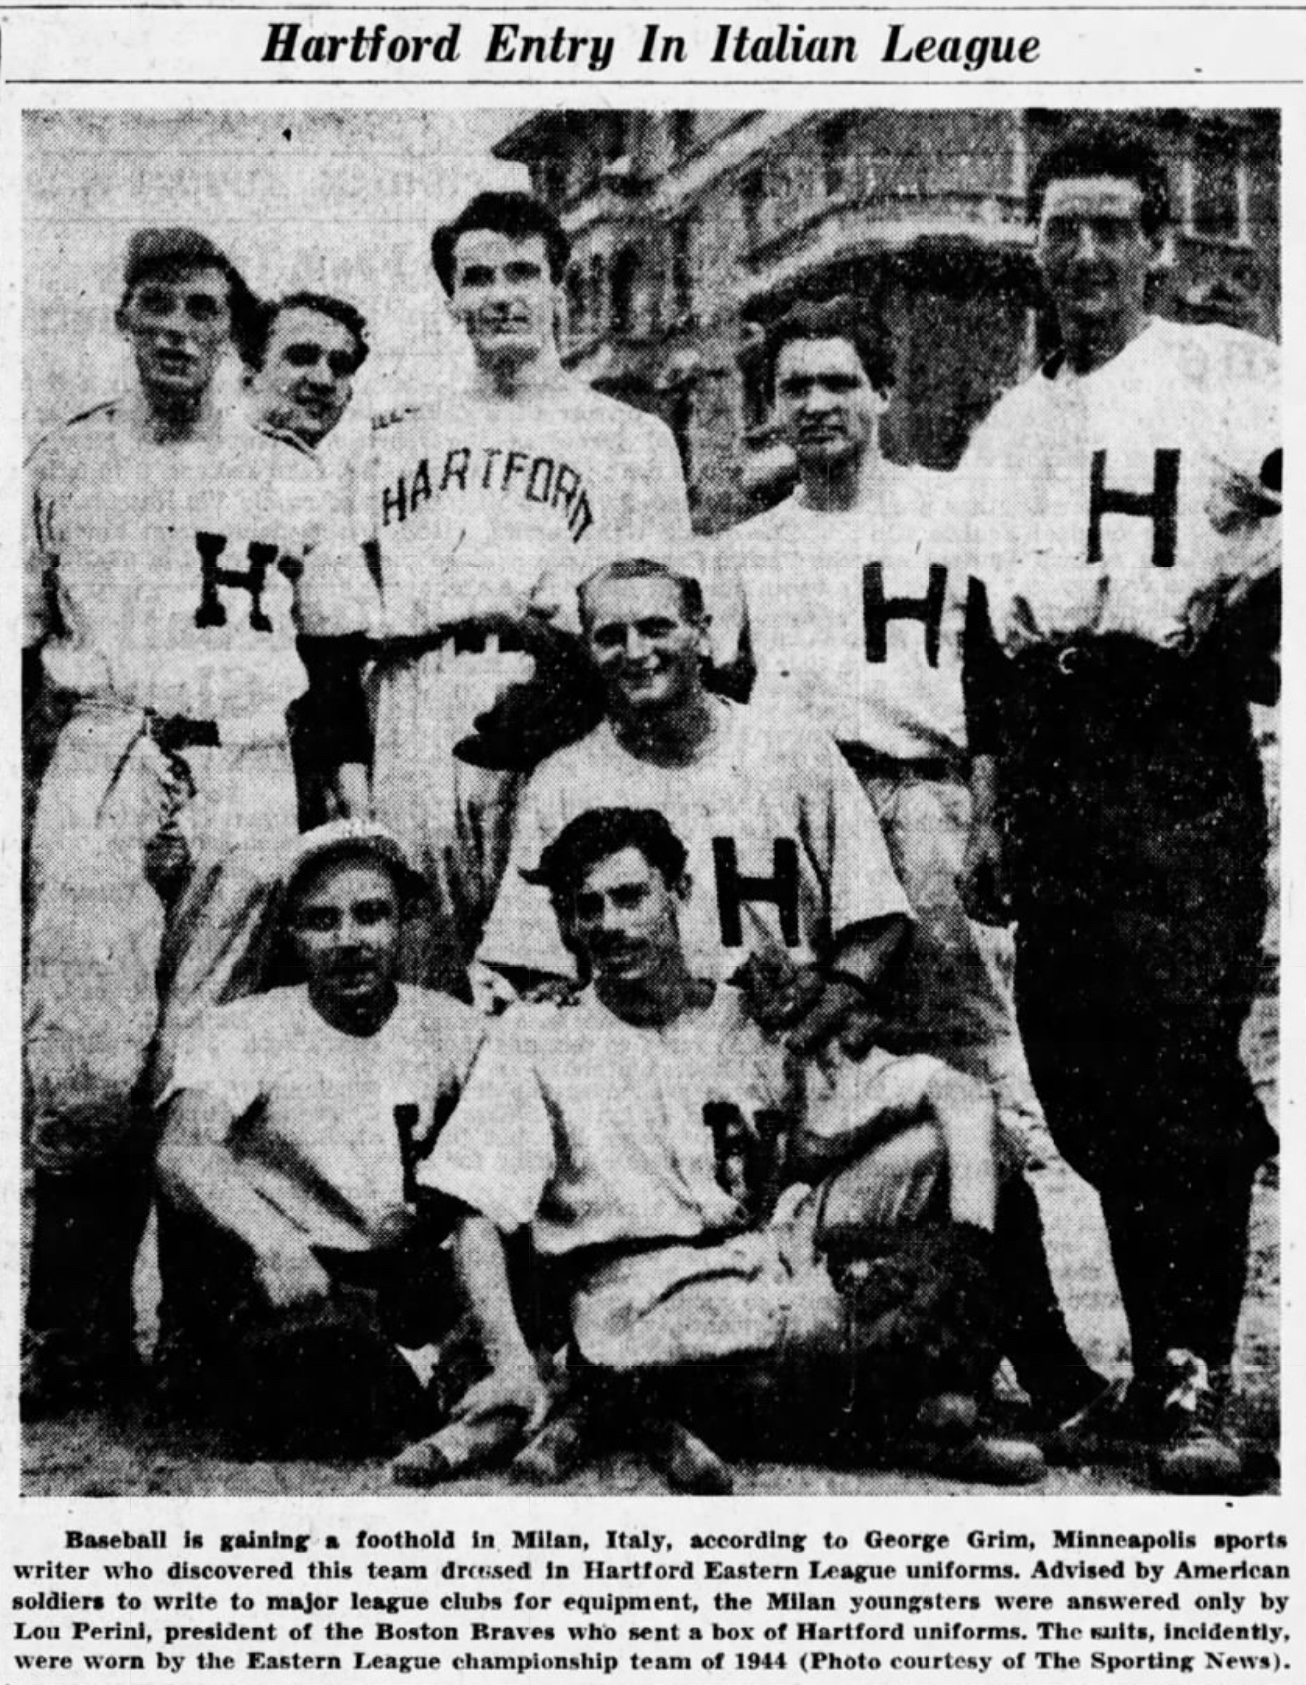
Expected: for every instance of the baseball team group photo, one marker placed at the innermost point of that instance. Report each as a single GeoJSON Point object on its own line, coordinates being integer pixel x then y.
{"type": "Point", "coordinates": [650, 801]}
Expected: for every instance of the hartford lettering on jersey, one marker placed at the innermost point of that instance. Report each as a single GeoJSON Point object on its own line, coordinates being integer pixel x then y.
{"type": "Point", "coordinates": [515, 475]}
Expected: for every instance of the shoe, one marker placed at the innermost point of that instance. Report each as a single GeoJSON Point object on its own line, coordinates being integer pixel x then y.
{"type": "Point", "coordinates": [948, 1439]}
{"type": "Point", "coordinates": [54, 1382]}
{"type": "Point", "coordinates": [1200, 1451]}
{"type": "Point", "coordinates": [1104, 1429]}
{"type": "Point", "coordinates": [60, 1375]}
{"type": "Point", "coordinates": [682, 1459]}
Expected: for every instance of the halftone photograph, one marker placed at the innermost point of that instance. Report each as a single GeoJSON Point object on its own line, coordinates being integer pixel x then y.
{"type": "Point", "coordinates": [650, 802]}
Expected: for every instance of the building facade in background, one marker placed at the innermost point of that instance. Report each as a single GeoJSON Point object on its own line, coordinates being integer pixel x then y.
{"type": "Point", "coordinates": [693, 229]}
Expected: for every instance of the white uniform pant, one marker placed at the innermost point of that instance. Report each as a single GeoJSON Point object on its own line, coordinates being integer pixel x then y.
{"type": "Point", "coordinates": [116, 973]}
{"type": "Point", "coordinates": [455, 819]}
{"type": "Point", "coordinates": [766, 1293]}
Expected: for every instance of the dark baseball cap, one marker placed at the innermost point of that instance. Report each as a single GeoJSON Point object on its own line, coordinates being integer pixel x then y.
{"type": "Point", "coordinates": [151, 249]}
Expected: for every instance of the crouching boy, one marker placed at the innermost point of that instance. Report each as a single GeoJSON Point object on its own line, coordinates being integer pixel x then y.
{"type": "Point", "coordinates": [301, 1273]}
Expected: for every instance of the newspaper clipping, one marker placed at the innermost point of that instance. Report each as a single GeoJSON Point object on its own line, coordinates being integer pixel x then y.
{"type": "Point", "coordinates": [645, 854]}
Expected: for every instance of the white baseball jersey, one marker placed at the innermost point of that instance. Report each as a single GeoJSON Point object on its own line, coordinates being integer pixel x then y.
{"type": "Point", "coordinates": [474, 500]}
{"type": "Point", "coordinates": [174, 575]}
{"type": "Point", "coordinates": [593, 1130]}
{"type": "Point", "coordinates": [312, 1109]}
{"type": "Point", "coordinates": [785, 851]}
{"type": "Point", "coordinates": [855, 616]}
{"type": "Point", "coordinates": [1134, 499]}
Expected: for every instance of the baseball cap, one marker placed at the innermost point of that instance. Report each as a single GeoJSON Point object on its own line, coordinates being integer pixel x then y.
{"type": "Point", "coordinates": [157, 248]}
{"type": "Point", "coordinates": [340, 837]}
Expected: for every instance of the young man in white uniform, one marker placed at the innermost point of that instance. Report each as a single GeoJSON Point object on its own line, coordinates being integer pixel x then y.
{"type": "Point", "coordinates": [787, 863]}
{"type": "Point", "coordinates": [294, 1120]}
{"type": "Point", "coordinates": [487, 506]}
{"type": "Point", "coordinates": [598, 1124]}
{"type": "Point", "coordinates": [301, 355]}
{"type": "Point", "coordinates": [1123, 507]}
{"type": "Point", "coordinates": [173, 556]}
{"type": "Point", "coordinates": [846, 607]}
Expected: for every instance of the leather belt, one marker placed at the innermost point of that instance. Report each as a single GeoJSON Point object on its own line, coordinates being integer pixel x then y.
{"type": "Point", "coordinates": [175, 733]}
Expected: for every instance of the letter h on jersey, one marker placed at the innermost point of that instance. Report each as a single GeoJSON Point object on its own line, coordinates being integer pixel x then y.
{"type": "Point", "coordinates": [261, 557]}
{"type": "Point", "coordinates": [878, 610]}
{"type": "Point", "coordinates": [1160, 506]}
{"type": "Point", "coordinates": [733, 889]}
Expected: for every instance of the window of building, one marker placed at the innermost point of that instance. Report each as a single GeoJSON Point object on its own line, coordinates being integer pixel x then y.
{"type": "Point", "coordinates": [575, 290]}
{"type": "Point", "coordinates": [684, 130]}
{"type": "Point", "coordinates": [626, 268]}
{"type": "Point", "coordinates": [596, 300]}
{"type": "Point", "coordinates": [551, 182]}
{"type": "Point", "coordinates": [756, 392]}
{"type": "Point", "coordinates": [1217, 192]}
{"type": "Point", "coordinates": [752, 205]}
{"type": "Point", "coordinates": [612, 136]}
{"type": "Point", "coordinates": [836, 156]}
{"type": "Point", "coordinates": [682, 267]}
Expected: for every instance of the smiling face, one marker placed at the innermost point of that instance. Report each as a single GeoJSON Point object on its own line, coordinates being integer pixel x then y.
{"type": "Point", "coordinates": [624, 918]}
{"type": "Point", "coordinates": [345, 924]}
{"type": "Point", "coordinates": [648, 651]}
{"type": "Point", "coordinates": [178, 321]}
{"type": "Point", "coordinates": [1093, 251]}
{"type": "Point", "coordinates": [307, 377]}
{"type": "Point", "coordinates": [827, 409]}
{"type": "Point", "coordinates": [503, 295]}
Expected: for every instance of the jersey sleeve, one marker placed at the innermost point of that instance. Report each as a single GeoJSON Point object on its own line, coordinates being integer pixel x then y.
{"type": "Point", "coordinates": [460, 1033]}
{"type": "Point", "coordinates": [1247, 489]}
{"type": "Point", "coordinates": [971, 522]}
{"type": "Point", "coordinates": [338, 596]}
{"type": "Point", "coordinates": [722, 577]}
{"type": "Point", "coordinates": [844, 833]}
{"type": "Point", "coordinates": [522, 931]}
{"type": "Point", "coordinates": [496, 1154]}
{"type": "Point", "coordinates": [663, 509]}
{"type": "Point", "coordinates": [219, 1058]}
{"type": "Point", "coordinates": [39, 553]}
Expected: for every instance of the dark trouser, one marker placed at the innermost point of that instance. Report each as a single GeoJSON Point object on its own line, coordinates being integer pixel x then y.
{"type": "Point", "coordinates": [1138, 838]}
{"type": "Point", "coordinates": [325, 1380]}
{"type": "Point", "coordinates": [86, 1230]}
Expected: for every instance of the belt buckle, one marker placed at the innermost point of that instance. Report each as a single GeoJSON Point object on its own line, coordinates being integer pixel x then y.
{"type": "Point", "coordinates": [1069, 658]}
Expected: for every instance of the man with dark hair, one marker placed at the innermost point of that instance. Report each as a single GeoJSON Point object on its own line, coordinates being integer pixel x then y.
{"type": "Point", "coordinates": [488, 505]}
{"type": "Point", "coordinates": [835, 318]}
{"type": "Point", "coordinates": [627, 1130]}
{"type": "Point", "coordinates": [301, 357]}
{"type": "Point", "coordinates": [301, 362]}
{"type": "Point", "coordinates": [788, 868]}
{"type": "Point", "coordinates": [295, 1256]}
{"type": "Point", "coordinates": [517, 216]}
{"type": "Point", "coordinates": [173, 557]}
{"type": "Point", "coordinates": [848, 612]}
{"type": "Point", "coordinates": [1106, 147]}
{"type": "Point", "coordinates": [1122, 506]}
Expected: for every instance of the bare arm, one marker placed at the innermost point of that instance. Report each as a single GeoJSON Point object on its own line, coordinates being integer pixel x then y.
{"type": "Point", "coordinates": [199, 1172]}
{"type": "Point", "coordinates": [514, 1386]}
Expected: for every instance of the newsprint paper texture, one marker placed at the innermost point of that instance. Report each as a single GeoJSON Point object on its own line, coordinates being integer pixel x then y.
{"type": "Point", "coordinates": [688, 1248]}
